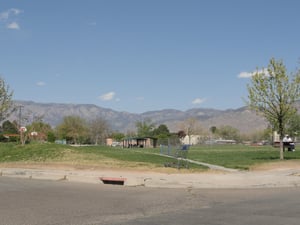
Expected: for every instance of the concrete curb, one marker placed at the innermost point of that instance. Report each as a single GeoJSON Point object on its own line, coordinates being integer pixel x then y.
{"type": "Point", "coordinates": [263, 179]}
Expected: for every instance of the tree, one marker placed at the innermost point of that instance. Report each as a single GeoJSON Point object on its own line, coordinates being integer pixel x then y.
{"type": "Point", "coordinates": [145, 128]}
{"type": "Point", "coordinates": [118, 136]}
{"type": "Point", "coordinates": [73, 128]}
{"type": "Point", "coordinates": [228, 132]}
{"type": "Point", "coordinates": [161, 132]}
{"type": "Point", "coordinates": [9, 128]}
{"type": "Point", "coordinates": [293, 125]}
{"type": "Point", "coordinates": [259, 136]}
{"type": "Point", "coordinates": [38, 130]}
{"type": "Point", "coordinates": [181, 134]}
{"type": "Point", "coordinates": [98, 130]}
{"type": "Point", "coordinates": [273, 93]}
{"type": "Point", "coordinates": [191, 126]}
{"type": "Point", "coordinates": [213, 129]}
{"type": "Point", "coordinates": [6, 103]}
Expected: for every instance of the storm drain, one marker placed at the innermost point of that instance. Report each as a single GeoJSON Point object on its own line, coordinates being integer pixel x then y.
{"type": "Point", "coordinates": [113, 180]}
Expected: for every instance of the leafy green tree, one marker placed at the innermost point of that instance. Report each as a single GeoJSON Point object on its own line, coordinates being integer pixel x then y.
{"type": "Point", "coordinates": [39, 130]}
{"type": "Point", "coordinates": [118, 136]}
{"type": "Point", "coordinates": [213, 129]}
{"type": "Point", "coordinates": [228, 132]}
{"type": "Point", "coordinates": [9, 128]}
{"type": "Point", "coordinates": [51, 136]}
{"type": "Point", "coordinates": [145, 128]}
{"type": "Point", "coordinates": [161, 132]}
{"type": "Point", "coordinates": [273, 93]}
{"type": "Point", "coordinates": [73, 128]}
{"type": "Point", "coordinates": [6, 103]}
{"type": "Point", "coordinates": [293, 125]}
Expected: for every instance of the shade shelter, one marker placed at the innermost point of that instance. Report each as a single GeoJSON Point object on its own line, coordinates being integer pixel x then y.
{"type": "Point", "coordinates": [139, 142]}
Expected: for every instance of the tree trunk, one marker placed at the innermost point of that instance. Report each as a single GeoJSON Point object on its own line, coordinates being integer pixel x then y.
{"type": "Point", "coordinates": [281, 150]}
{"type": "Point", "coordinates": [281, 130]}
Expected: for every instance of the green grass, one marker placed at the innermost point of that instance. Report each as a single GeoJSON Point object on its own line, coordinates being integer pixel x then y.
{"type": "Point", "coordinates": [83, 156]}
{"type": "Point", "coordinates": [10, 152]}
{"type": "Point", "coordinates": [239, 156]}
{"type": "Point", "coordinates": [231, 156]}
{"type": "Point", "coordinates": [118, 154]}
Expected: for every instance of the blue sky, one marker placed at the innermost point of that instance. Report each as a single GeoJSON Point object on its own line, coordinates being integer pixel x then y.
{"type": "Point", "coordinates": [139, 55]}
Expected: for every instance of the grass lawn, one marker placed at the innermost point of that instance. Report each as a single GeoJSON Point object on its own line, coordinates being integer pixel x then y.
{"type": "Point", "coordinates": [239, 156]}
{"type": "Point", "coordinates": [82, 157]}
{"type": "Point", "coordinates": [231, 156]}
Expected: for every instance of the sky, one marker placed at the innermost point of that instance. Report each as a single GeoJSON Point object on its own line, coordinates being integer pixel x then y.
{"type": "Point", "coordinates": [138, 55]}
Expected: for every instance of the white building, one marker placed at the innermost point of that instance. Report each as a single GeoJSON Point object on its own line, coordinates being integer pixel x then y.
{"type": "Point", "coordinates": [191, 140]}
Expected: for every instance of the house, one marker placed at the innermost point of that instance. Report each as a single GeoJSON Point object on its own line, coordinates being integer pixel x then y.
{"type": "Point", "coordinates": [140, 142]}
{"type": "Point", "coordinates": [111, 142]}
{"type": "Point", "coordinates": [191, 140]}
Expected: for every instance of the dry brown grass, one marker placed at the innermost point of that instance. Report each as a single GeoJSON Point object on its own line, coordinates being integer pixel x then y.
{"type": "Point", "coordinates": [282, 165]}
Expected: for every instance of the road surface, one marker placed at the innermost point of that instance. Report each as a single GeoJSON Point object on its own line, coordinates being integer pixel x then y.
{"type": "Point", "coordinates": [36, 202]}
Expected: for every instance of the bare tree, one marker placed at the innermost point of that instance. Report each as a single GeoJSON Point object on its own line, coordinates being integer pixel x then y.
{"type": "Point", "coordinates": [191, 126]}
{"type": "Point", "coordinates": [145, 128]}
{"type": "Point", "coordinates": [98, 130]}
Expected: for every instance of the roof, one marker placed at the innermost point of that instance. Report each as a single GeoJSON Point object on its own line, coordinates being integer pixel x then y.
{"type": "Point", "coordinates": [139, 138]}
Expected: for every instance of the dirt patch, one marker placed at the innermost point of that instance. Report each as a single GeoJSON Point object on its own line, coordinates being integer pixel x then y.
{"type": "Point", "coordinates": [81, 166]}
{"type": "Point", "coordinates": [281, 165]}
{"type": "Point", "coordinates": [94, 167]}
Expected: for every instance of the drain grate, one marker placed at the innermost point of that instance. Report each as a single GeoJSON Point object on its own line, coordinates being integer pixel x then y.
{"type": "Point", "coordinates": [113, 180]}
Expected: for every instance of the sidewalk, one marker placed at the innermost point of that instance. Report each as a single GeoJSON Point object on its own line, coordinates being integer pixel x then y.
{"type": "Point", "coordinates": [282, 177]}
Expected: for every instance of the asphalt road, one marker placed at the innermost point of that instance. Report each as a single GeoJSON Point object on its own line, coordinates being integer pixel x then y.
{"type": "Point", "coordinates": [36, 202]}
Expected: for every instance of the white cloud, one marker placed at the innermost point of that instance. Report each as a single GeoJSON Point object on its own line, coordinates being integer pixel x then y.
{"type": "Point", "coordinates": [9, 17]}
{"type": "Point", "coordinates": [9, 13]}
{"type": "Point", "coordinates": [250, 74]}
{"type": "Point", "coordinates": [13, 26]}
{"type": "Point", "coordinates": [198, 101]}
{"type": "Point", "coordinates": [108, 96]}
{"type": "Point", "coordinates": [245, 75]}
{"type": "Point", "coordinates": [41, 83]}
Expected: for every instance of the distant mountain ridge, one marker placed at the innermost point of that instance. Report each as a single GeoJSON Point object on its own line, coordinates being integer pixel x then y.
{"type": "Point", "coordinates": [53, 113]}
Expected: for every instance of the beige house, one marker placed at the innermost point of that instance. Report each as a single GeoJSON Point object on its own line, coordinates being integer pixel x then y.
{"type": "Point", "coordinates": [111, 142]}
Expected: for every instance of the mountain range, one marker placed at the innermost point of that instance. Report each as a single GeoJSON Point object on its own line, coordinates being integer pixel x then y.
{"type": "Point", "coordinates": [243, 119]}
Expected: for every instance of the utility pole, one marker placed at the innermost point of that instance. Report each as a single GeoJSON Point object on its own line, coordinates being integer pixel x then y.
{"type": "Point", "coordinates": [20, 116]}
{"type": "Point", "coordinates": [21, 129]}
